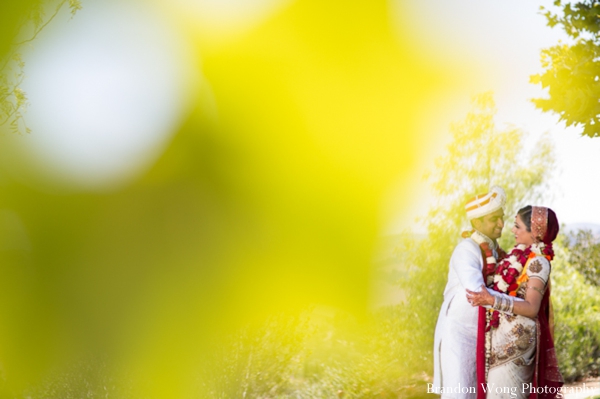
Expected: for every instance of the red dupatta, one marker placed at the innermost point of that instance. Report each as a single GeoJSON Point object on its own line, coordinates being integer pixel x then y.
{"type": "Point", "coordinates": [481, 326]}
{"type": "Point", "coordinates": [481, 359]}
{"type": "Point", "coordinates": [546, 372]}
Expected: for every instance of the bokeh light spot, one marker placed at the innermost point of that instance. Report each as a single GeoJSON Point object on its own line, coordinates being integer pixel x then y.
{"type": "Point", "coordinates": [107, 89]}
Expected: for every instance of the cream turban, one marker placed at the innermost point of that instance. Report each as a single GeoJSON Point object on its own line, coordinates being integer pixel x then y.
{"type": "Point", "coordinates": [485, 204]}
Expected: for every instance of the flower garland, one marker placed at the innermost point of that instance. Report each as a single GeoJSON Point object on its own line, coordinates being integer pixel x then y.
{"type": "Point", "coordinates": [489, 261]}
{"type": "Point", "coordinates": [511, 271]}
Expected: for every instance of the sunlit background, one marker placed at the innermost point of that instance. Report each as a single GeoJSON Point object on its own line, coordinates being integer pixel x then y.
{"type": "Point", "coordinates": [506, 38]}
{"type": "Point", "coordinates": [196, 167]}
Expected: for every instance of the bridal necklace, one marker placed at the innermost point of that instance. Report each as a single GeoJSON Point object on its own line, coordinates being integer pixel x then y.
{"type": "Point", "coordinates": [512, 271]}
{"type": "Point", "coordinates": [489, 260]}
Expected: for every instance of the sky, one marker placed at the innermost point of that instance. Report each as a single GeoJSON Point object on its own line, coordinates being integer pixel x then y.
{"type": "Point", "coordinates": [504, 38]}
{"type": "Point", "coordinates": [101, 113]}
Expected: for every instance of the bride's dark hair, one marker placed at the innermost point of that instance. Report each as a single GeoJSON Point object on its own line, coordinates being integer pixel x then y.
{"type": "Point", "coordinates": [525, 214]}
{"type": "Point", "coordinates": [553, 226]}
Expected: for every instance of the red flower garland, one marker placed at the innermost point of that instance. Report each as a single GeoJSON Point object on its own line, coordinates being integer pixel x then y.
{"type": "Point", "coordinates": [507, 278]}
{"type": "Point", "coordinates": [489, 261]}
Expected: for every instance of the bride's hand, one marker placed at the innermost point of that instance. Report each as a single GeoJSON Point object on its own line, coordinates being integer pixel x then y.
{"type": "Point", "coordinates": [480, 298]}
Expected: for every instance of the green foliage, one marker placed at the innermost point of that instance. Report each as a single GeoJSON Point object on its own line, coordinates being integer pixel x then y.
{"type": "Point", "coordinates": [584, 252]}
{"type": "Point", "coordinates": [348, 358]}
{"type": "Point", "coordinates": [257, 361]}
{"type": "Point", "coordinates": [576, 303]}
{"type": "Point", "coordinates": [89, 376]}
{"type": "Point", "coordinates": [322, 354]}
{"type": "Point", "coordinates": [572, 71]}
{"type": "Point", "coordinates": [13, 100]}
{"type": "Point", "coordinates": [74, 6]}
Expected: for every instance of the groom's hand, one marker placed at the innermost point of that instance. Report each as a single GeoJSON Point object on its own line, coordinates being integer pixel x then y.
{"type": "Point", "coordinates": [481, 298]}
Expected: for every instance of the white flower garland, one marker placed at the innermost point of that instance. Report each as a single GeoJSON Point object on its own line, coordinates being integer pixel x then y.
{"type": "Point", "coordinates": [536, 248]}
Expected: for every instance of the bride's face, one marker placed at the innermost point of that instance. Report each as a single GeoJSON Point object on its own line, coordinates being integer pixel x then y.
{"type": "Point", "coordinates": [522, 236]}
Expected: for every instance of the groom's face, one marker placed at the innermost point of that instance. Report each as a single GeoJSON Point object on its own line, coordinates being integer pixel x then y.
{"type": "Point", "coordinates": [491, 225]}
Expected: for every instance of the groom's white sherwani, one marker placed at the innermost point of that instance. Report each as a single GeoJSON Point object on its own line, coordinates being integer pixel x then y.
{"type": "Point", "coordinates": [455, 344]}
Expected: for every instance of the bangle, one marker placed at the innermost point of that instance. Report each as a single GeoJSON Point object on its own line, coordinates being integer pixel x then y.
{"type": "Point", "coordinates": [500, 304]}
{"type": "Point", "coordinates": [497, 303]}
{"type": "Point", "coordinates": [503, 304]}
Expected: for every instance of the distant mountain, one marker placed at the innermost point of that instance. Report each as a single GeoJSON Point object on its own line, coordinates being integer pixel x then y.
{"type": "Point", "coordinates": [573, 227]}
{"type": "Point", "coordinates": [385, 253]}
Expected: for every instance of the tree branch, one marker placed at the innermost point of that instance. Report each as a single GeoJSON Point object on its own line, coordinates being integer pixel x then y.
{"type": "Point", "coordinates": [41, 27]}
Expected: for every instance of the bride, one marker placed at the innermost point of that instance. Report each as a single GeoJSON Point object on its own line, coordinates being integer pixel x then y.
{"type": "Point", "coordinates": [520, 360]}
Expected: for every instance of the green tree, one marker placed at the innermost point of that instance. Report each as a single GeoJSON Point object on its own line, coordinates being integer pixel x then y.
{"type": "Point", "coordinates": [576, 303]}
{"type": "Point", "coordinates": [584, 252]}
{"type": "Point", "coordinates": [572, 71]}
{"type": "Point", "coordinates": [482, 155]}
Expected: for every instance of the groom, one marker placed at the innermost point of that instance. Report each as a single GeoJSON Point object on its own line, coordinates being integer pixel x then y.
{"type": "Point", "coordinates": [455, 347]}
